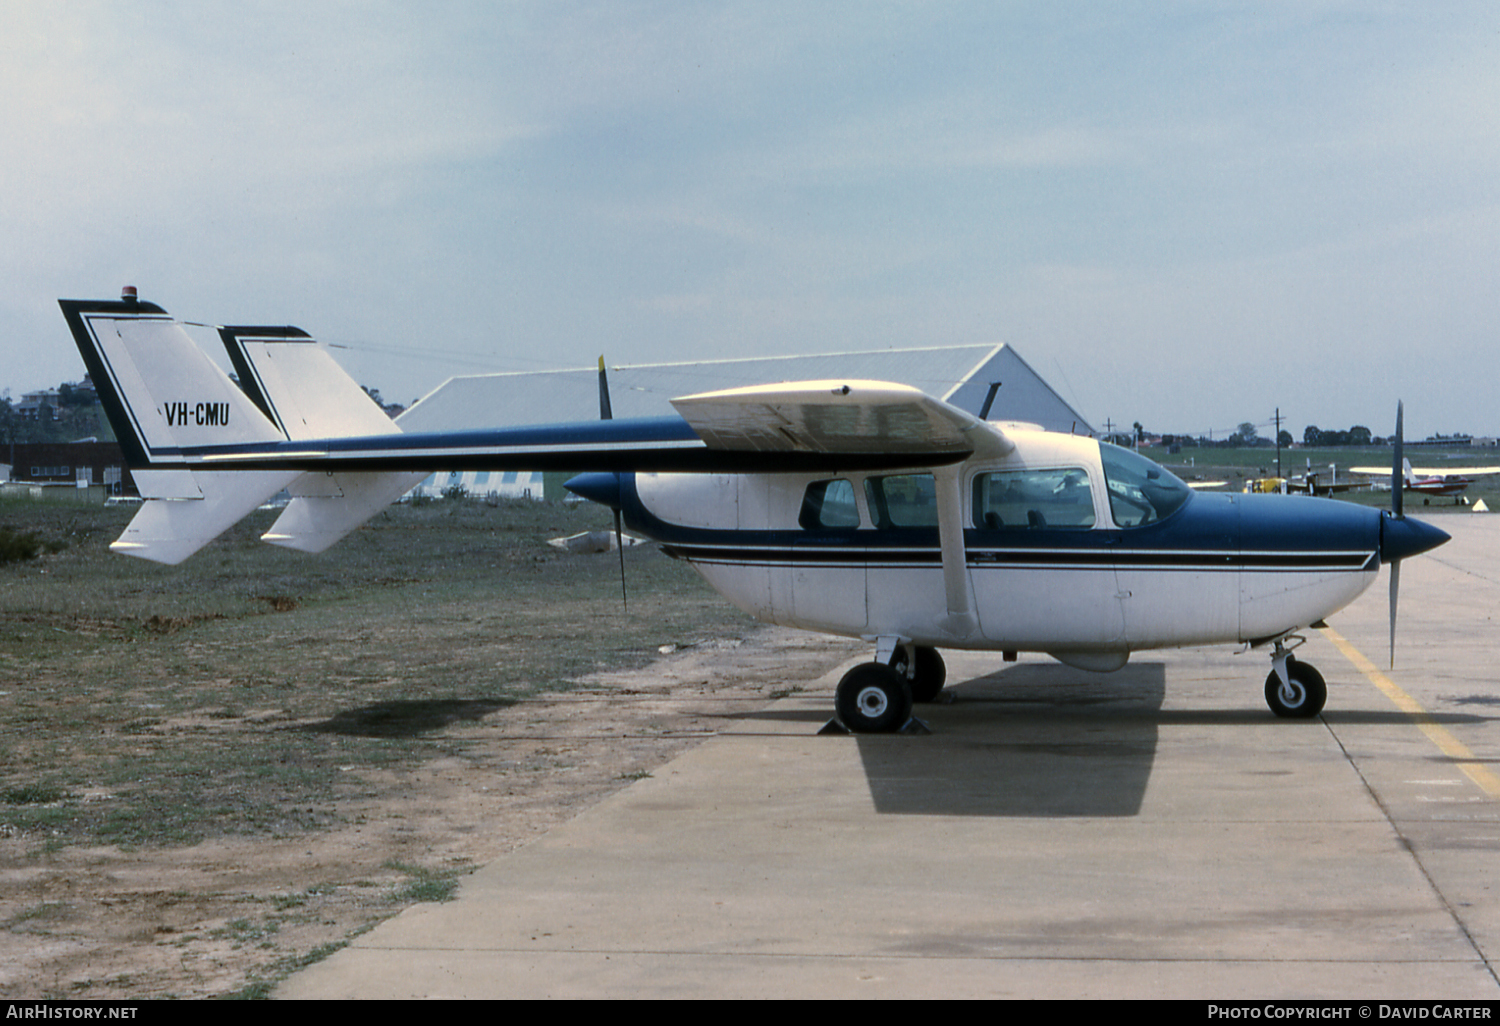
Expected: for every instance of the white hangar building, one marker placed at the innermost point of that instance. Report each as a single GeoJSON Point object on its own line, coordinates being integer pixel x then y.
{"type": "Point", "coordinates": [961, 375]}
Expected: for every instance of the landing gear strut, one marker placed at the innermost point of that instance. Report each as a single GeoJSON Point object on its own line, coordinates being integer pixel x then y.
{"type": "Point", "coordinates": [923, 669]}
{"type": "Point", "coordinates": [1294, 690]}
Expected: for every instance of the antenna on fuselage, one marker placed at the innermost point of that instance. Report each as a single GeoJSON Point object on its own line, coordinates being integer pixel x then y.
{"type": "Point", "coordinates": [984, 411]}
{"type": "Point", "coordinates": [606, 412]}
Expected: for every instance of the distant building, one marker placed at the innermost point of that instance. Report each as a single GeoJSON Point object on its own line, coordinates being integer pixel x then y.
{"type": "Point", "coordinates": [61, 463]}
{"type": "Point", "coordinates": [961, 375]}
{"type": "Point", "coordinates": [41, 406]}
{"type": "Point", "coordinates": [482, 484]}
{"type": "Point", "coordinates": [51, 405]}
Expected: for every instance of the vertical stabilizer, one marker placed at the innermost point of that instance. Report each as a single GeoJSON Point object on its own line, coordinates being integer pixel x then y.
{"type": "Point", "coordinates": [167, 402]}
{"type": "Point", "coordinates": [300, 387]}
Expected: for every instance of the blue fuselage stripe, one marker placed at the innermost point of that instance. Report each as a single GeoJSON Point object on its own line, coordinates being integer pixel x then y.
{"type": "Point", "coordinates": [882, 557]}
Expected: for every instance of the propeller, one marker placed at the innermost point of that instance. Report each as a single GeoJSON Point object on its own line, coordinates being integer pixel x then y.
{"type": "Point", "coordinates": [1398, 490]}
{"type": "Point", "coordinates": [1397, 506]}
{"type": "Point", "coordinates": [1402, 536]}
{"type": "Point", "coordinates": [607, 413]}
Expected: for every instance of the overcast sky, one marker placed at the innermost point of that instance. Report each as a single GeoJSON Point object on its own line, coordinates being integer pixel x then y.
{"type": "Point", "coordinates": [1184, 214]}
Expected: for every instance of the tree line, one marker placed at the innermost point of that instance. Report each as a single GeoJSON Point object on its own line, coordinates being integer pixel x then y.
{"type": "Point", "coordinates": [1248, 436]}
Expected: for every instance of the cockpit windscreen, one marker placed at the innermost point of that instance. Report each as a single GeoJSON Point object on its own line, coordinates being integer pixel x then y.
{"type": "Point", "coordinates": [1140, 492]}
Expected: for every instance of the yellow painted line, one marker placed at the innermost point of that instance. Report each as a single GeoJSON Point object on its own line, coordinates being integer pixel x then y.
{"type": "Point", "coordinates": [1449, 745]}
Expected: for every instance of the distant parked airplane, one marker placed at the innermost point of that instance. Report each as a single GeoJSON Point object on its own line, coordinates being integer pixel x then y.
{"type": "Point", "coordinates": [1443, 481]}
{"type": "Point", "coordinates": [1309, 483]}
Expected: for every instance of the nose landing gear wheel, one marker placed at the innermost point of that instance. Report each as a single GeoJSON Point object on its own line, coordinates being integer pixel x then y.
{"type": "Point", "coordinates": [873, 699]}
{"type": "Point", "coordinates": [1304, 696]}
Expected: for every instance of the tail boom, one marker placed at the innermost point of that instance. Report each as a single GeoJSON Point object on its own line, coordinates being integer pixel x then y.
{"type": "Point", "coordinates": [205, 451]}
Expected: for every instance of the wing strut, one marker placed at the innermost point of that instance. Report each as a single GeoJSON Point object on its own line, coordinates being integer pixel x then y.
{"type": "Point", "coordinates": [961, 622]}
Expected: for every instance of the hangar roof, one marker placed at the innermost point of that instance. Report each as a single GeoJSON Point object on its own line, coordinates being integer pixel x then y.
{"type": "Point", "coordinates": [958, 374]}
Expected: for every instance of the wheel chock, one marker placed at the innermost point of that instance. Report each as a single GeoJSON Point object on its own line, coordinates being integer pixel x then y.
{"type": "Point", "coordinates": [912, 728]}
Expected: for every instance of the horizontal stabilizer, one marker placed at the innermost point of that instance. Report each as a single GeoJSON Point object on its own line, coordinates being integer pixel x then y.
{"type": "Point", "coordinates": [838, 417]}
{"type": "Point", "coordinates": [326, 507]}
{"type": "Point", "coordinates": [171, 530]}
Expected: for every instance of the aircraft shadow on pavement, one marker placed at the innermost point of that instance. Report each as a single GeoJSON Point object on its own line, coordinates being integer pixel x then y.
{"type": "Point", "coordinates": [407, 718]}
{"type": "Point", "coordinates": [1029, 740]}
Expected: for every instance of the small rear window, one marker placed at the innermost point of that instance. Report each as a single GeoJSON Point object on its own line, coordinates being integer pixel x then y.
{"type": "Point", "coordinates": [828, 504]}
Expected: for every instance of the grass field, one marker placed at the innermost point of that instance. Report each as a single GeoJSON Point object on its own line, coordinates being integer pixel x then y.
{"type": "Point", "coordinates": [117, 675]}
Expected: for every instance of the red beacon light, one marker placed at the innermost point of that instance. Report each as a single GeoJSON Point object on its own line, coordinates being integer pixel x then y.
{"type": "Point", "coordinates": [128, 294]}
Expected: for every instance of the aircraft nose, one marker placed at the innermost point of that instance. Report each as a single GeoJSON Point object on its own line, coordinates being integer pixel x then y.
{"type": "Point", "coordinates": [603, 488]}
{"type": "Point", "coordinates": [1401, 537]}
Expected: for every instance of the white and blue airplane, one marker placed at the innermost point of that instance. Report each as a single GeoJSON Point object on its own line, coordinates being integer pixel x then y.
{"type": "Point", "coordinates": [859, 508]}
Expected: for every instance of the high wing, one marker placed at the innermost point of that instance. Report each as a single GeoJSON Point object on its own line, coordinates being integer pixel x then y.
{"type": "Point", "coordinates": [205, 452]}
{"type": "Point", "coordinates": [838, 417]}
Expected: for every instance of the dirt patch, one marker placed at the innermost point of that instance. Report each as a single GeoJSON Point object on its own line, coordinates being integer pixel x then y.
{"type": "Point", "coordinates": [234, 914]}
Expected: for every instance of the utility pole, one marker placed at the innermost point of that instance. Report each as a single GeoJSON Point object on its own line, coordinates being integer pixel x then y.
{"type": "Point", "coordinates": [1278, 441]}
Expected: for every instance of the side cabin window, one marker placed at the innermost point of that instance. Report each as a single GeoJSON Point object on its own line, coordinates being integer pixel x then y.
{"type": "Point", "coordinates": [828, 504]}
{"type": "Point", "coordinates": [902, 500]}
{"type": "Point", "coordinates": [1035, 500]}
{"type": "Point", "coordinates": [1140, 492]}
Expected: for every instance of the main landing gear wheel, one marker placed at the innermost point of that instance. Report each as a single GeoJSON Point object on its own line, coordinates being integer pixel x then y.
{"type": "Point", "coordinates": [873, 699]}
{"type": "Point", "coordinates": [1305, 693]}
{"type": "Point", "coordinates": [929, 676]}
